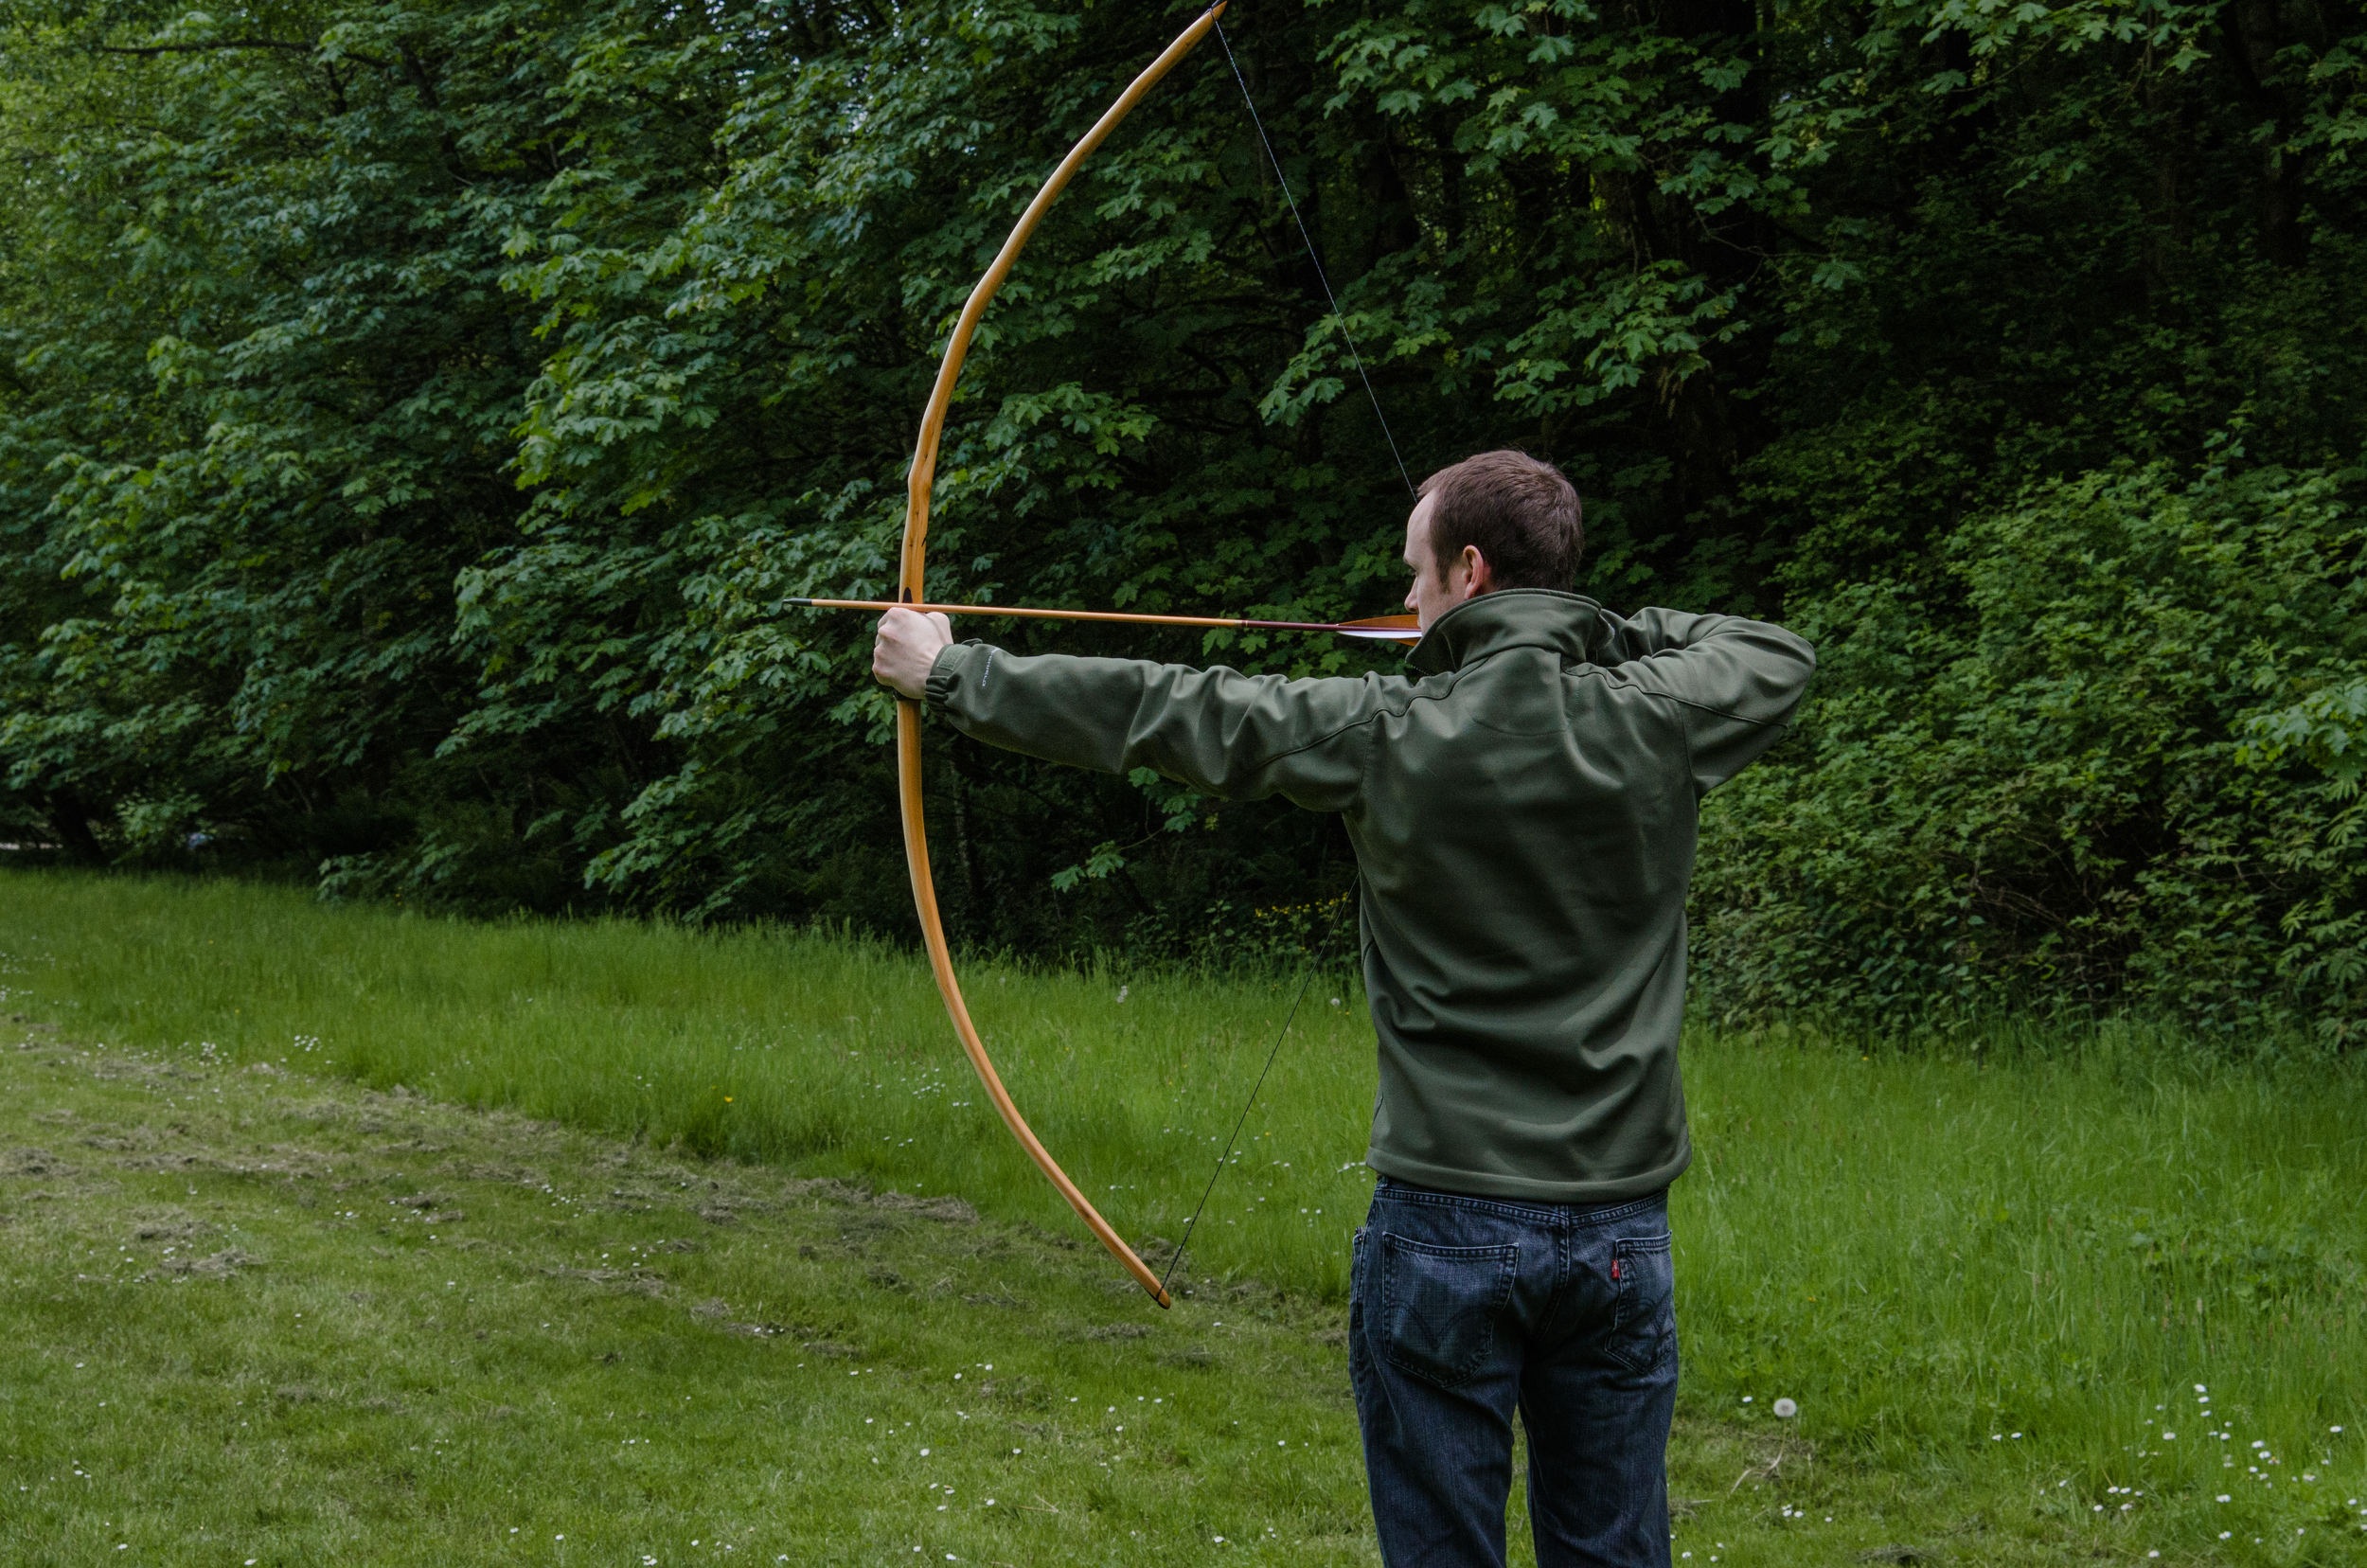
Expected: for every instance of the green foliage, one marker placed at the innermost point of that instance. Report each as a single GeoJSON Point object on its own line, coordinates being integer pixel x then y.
{"type": "Point", "coordinates": [413, 419]}
{"type": "Point", "coordinates": [2030, 781]}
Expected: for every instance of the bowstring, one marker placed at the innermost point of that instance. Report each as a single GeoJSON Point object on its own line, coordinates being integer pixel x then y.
{"type": "Point", "coordinates": [1322, 951]}
{"type": "Point", "coordinates": [1339, 916]}
{"type": "Point", "coordinates": [1313, 258]}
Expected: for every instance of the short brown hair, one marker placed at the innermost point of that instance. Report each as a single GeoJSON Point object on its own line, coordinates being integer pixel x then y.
{"type": "Point", "coordinates": [1522, 513]}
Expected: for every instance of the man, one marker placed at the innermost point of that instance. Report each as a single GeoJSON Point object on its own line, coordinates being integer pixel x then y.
{"type": "Point", "coordinates": [1523, 804]}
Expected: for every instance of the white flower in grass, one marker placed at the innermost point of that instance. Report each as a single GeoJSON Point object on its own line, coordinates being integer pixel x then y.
{"type": "Point", "coordinates": [1786, 1409]}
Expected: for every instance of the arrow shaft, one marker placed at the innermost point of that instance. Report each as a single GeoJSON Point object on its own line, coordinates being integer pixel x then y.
{"type": "Point", "coordinates": [1382, 627]}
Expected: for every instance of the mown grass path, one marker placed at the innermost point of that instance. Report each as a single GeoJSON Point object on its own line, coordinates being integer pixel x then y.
{"type": "Point", "coordinates": [255, 1315]}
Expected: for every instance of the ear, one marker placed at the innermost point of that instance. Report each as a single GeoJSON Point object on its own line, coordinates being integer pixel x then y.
{"type": "Point", "coordinates": [1477, 576]}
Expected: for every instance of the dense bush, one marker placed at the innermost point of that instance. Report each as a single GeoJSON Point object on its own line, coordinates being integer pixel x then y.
{"type": "Point", "coordinates": [2060, 795]}
{"type": "Point", "coordinates": [415, 414]}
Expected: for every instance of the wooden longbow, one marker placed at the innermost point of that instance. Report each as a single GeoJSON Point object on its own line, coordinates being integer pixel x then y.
{"type": "Point", "coordinates": [911, 582]}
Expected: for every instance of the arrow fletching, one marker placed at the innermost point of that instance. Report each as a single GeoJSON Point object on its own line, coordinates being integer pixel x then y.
{"type": "Point", "coordinates": [1382, 629]}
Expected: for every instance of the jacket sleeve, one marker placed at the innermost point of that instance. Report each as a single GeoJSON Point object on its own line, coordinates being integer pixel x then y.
{"type": "Point", "coordinates": [1233, 736]}
{"type": "Point", "coordinates": [1738, 681]}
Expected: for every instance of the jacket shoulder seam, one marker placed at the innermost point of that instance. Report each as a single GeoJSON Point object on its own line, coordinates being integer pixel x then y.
{"type": "Point", "coordinates": [1379, 711]}
{"type": "Point", "coordinates": [1600, 671]}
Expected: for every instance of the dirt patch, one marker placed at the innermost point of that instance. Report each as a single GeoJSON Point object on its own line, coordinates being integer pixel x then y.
{"type": "Point", "coordinates": [947, 1210]}
{"type": "Point", "coordinates": [163, 1224]}
{"type": "Point", "coordinates": [221, 1265]}
{"type": "Point", "coordinates": [995, 1298]}
{"type": "Point", "coordinates": [647, 1282]}
{"type": "Point", "coordinates": [1117, 1331]}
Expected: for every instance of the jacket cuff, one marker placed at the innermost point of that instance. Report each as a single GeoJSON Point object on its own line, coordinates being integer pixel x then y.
{"type": "Point", "coordinates": [946, 673]}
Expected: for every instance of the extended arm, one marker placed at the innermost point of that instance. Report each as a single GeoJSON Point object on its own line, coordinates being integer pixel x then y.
{"type": "Point", "coordinates": [1233, 736]}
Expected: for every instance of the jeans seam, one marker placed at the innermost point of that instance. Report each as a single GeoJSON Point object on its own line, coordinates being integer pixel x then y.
{"type": "Point", "coordinates": [1622, 1314]}
{"type": "Point", "coordinates": [1555, 1215]}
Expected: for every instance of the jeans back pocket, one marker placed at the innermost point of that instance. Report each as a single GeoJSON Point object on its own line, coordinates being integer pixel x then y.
{"type": "Point", "coordinates": [1439, 1305]}
{"type": "Point", "coordinates": [1643, 1325]}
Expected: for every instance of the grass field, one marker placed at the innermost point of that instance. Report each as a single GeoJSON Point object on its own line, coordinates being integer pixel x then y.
{"type": "Point", "coordinates": [1992, 1285]}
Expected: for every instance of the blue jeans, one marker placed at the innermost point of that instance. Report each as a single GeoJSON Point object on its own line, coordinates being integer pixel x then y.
{"type": "Point", "coordinates": [1462, 1310]}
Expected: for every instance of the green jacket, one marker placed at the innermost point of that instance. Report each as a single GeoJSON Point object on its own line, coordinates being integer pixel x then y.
{"type": "Point", "coordinates": [1523, 802]}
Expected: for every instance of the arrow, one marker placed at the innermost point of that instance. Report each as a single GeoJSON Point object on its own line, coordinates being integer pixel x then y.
{"type": "Point", "coordinates": [1376, 628]}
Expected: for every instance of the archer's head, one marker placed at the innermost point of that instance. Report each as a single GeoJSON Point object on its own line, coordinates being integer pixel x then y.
{"type": "Point", "coordinates": [1499, 520]}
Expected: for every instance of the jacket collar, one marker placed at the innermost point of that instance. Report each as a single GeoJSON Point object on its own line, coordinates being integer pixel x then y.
{"type": "Point", "coordinates": [1569, 624]}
